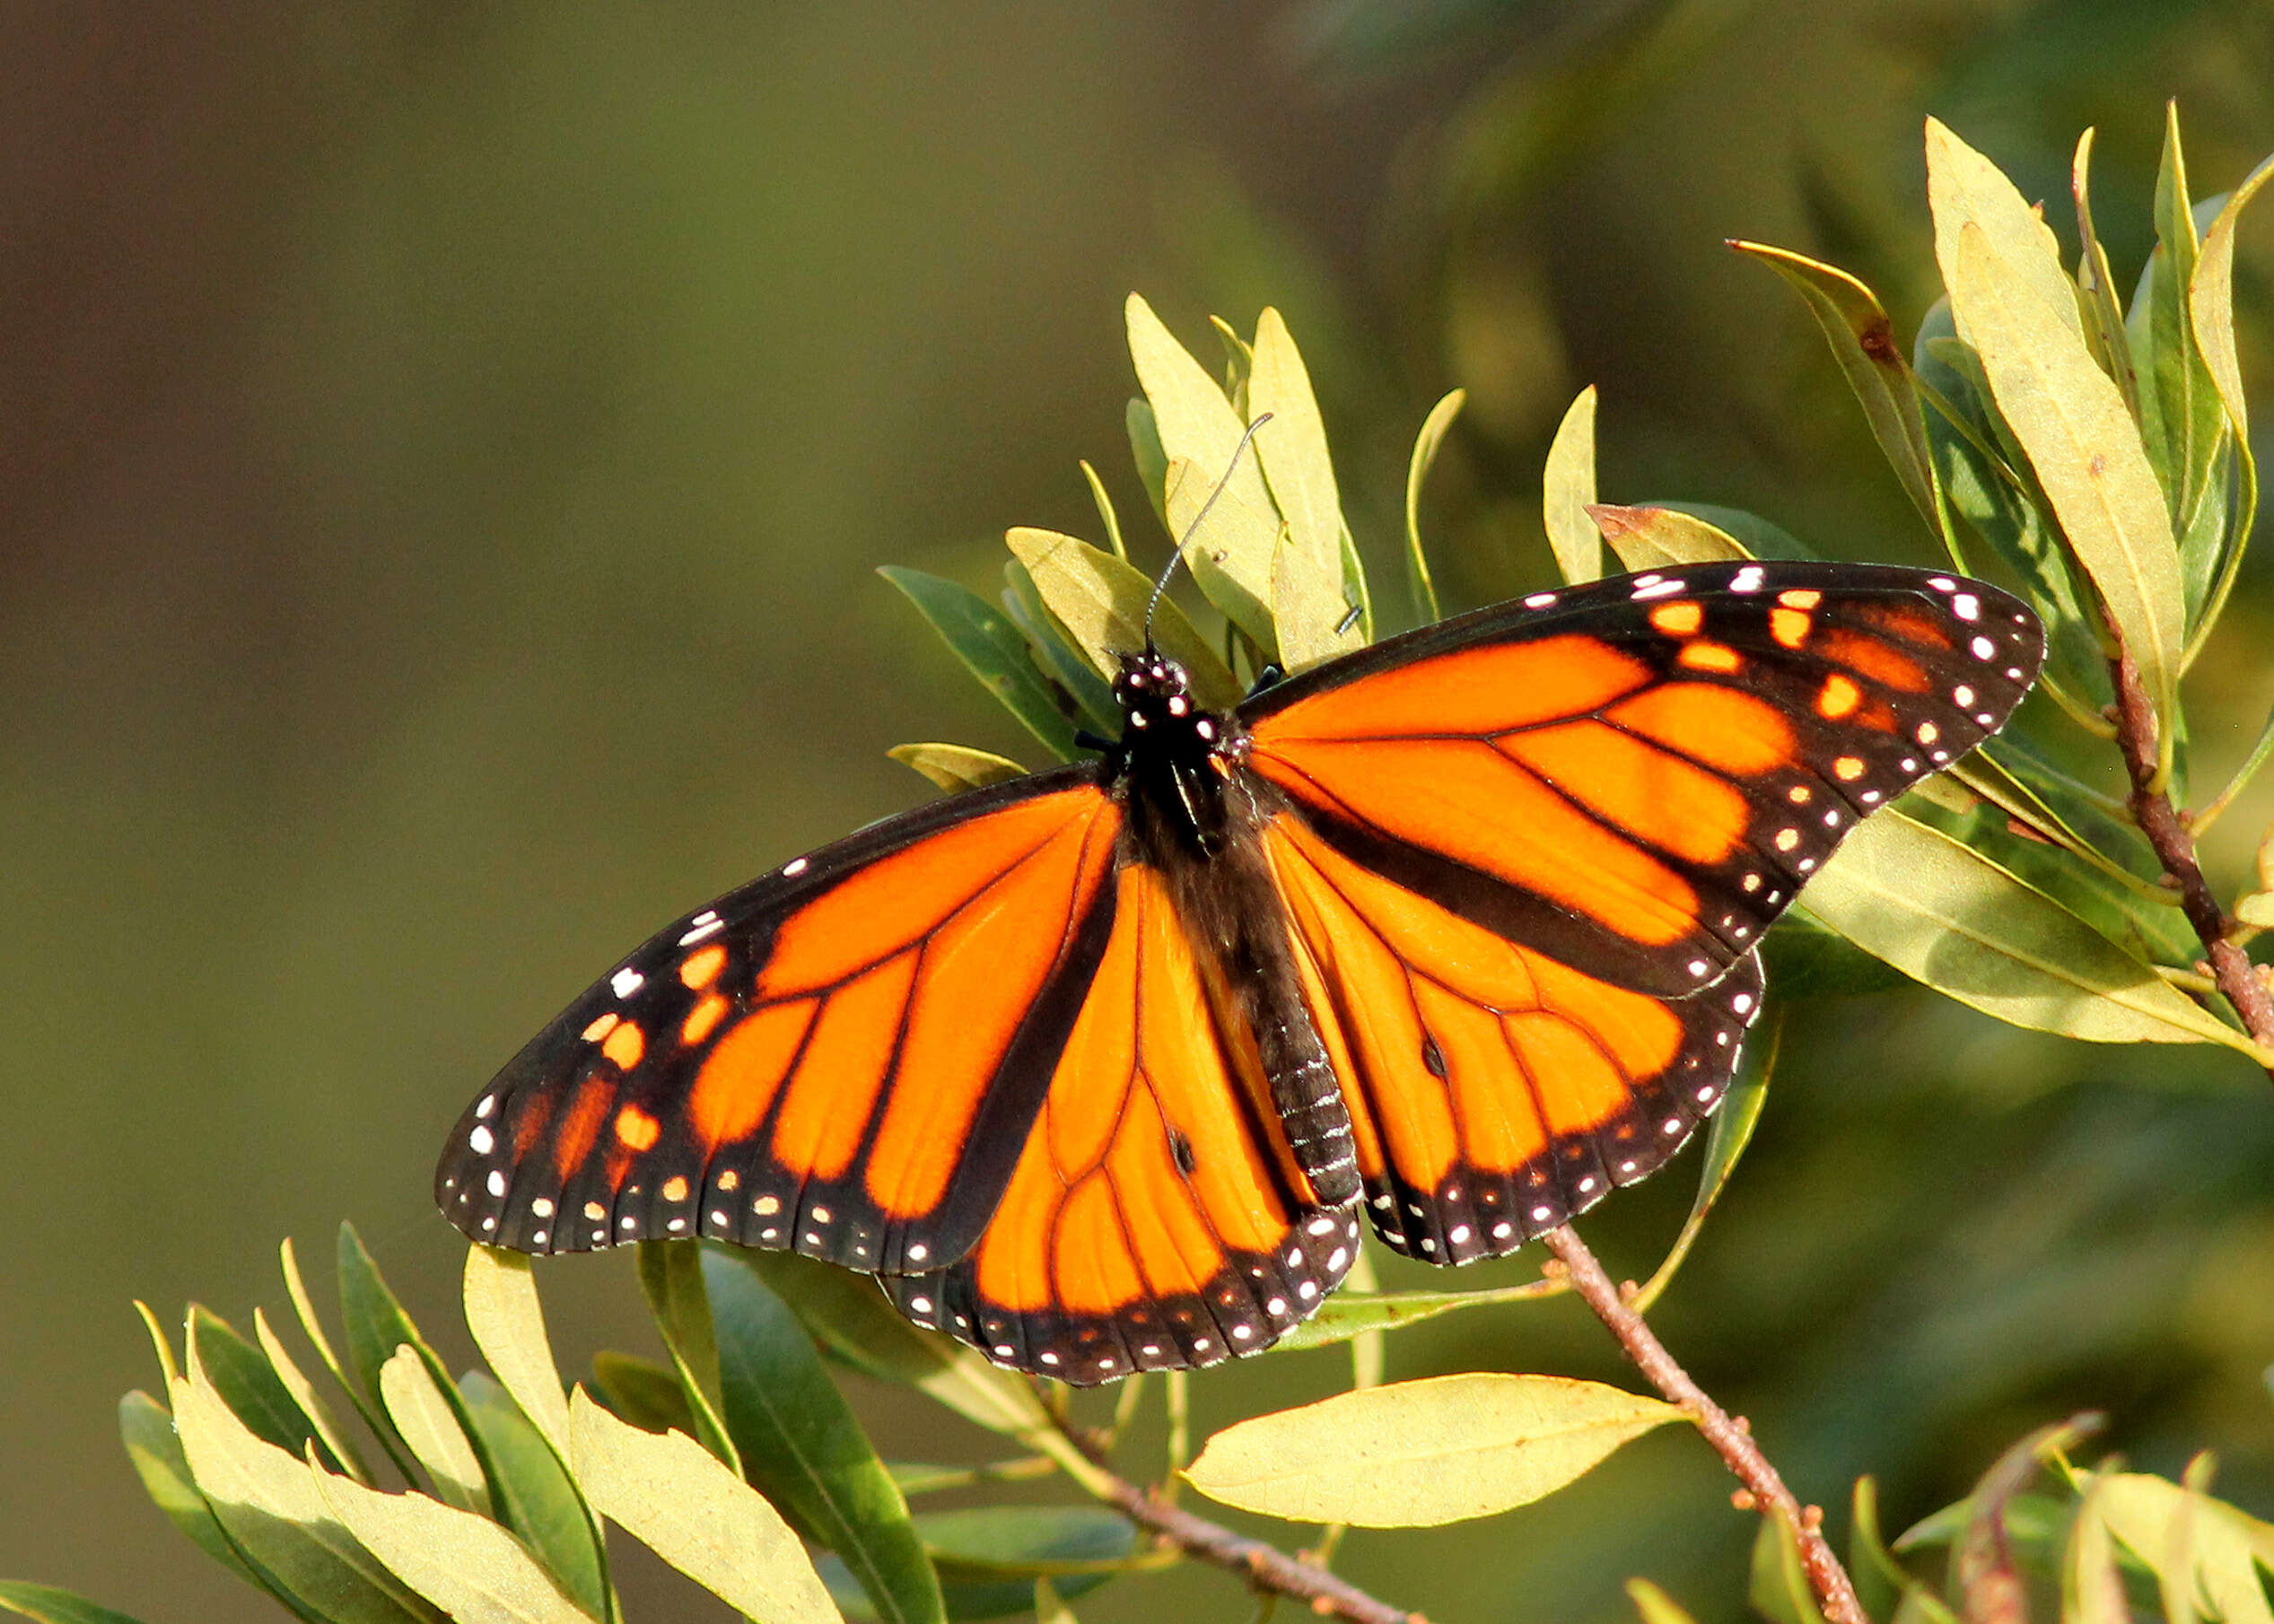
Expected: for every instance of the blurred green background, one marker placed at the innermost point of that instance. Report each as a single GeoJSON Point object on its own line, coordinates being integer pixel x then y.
{"type": "Point", "coordinates": [443, 458]}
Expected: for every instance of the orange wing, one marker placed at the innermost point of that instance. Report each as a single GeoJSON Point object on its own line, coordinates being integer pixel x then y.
{"type": "Point", "coordinates": [1152, 1220]}
{"type": "Point", "coordinates": [1635, 776]}
{"type": "Point", "coordinates": [840, 1058]}
{"type": "Point", "coordinates": [1494, 1091]}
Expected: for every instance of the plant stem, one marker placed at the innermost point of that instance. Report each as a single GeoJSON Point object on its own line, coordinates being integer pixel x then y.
{"type": "Point", "coordinates": [2175, 846]}
{"type": "Point", "coordinates": [1730, 1438]}
{"type": "Point", "coordinates": [1265, 1567]}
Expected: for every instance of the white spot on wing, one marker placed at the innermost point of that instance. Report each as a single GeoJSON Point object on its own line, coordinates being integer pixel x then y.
{"type": "Point", "coordinates": [625, 982]}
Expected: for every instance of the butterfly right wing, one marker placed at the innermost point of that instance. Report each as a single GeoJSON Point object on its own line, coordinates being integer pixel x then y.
{"type": "Point", "coordinates": [841, 1058]}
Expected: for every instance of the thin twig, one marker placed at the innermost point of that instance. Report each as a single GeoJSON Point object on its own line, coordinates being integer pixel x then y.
{"type": "Point", "coordinates": [1268, 1570]}
{"type": "Point", "coordinates": [2175, 846]}
{"type": "Point", "coordinates": [1728, 1437]}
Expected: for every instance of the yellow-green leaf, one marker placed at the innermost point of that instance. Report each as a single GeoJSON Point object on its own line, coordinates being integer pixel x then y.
{"type": "Point", "coordinates": [1307, 604]}
{"type": "Point", "coordinates": [2212, 297]}
{"type": "Point", "coordinates": [1426, 445]}
{"type": "Point", "coordinates": [2103, 315]}
{"type": "Point", "coordinates": [311, 1402]}
{"type": "Point", "coordinates": [1863, 341]}
{"type": "Point", "coordinates": [1965, 189]}
{"type": "Point", "coordinates": [672, 1495]}
{"type": "Point", "coordinates": [1416, 1453]}
{"type": "Point", "coordinates": [2213, 1566]}
{"type": "Point", "coordinates": [1660, 538]}
{"type": "Point", "coordinates": [1352, 1314]}
{"type": "Point", "coordinates": [1567, 493]}
{"type": "Point", "coordinates": [1946, 915]}
{"type": "Point", "coordinates": [467, 1565]}
{"type": "Point", "coordinates": [1231, 554]}
{"type": "Point", "coordinates": [508, 1324]}
{"type": "Point", "coordinates": [421, 1414]}
{"type": "Point", "coordinates": [1655, 1605]}
{"type": "Point", "coordinates": [1101, 602]}
{"type": "Point", "coordinates": [2086, 450]}
{"type": "Point", "coordinates": [49, 1606]}
{"type": "Point", "coordinates": [957, 767]}
{"type": "Point", "coordinates": [2092, 1589]}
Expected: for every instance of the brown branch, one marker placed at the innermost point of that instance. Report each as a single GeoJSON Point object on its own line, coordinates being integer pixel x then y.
{"type": "Point", "coordinates": [1264, 1566]}
{"type": "Point", "coordinates": [1728, 1437]}
{"type": "Point", "coordinates": [2168, 832]}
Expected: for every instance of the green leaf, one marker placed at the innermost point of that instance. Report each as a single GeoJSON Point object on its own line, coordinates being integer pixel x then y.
{"type": "Point", "coordinates": [1567, 493]}
{"type": "Point", "coordinates": [1965, 189]}
{"type": "Point", "coordinates": [1417, 1453]}
{"type": "Point", "coordinates": [1349, 1314]}
{"type": "Point", "coordinates": [313, 1329]}
{"type": "Point", "coordinates": [2091, 1587]}
{"type": "Point", "coordinates": [1734, 1120]}
{"type": "Point", "coordinates": [1757, 536]}
{"type": "Point", "coordinates": [677, 1499]}
{"type": "Point", "coordinates": [802, 1448]}
{"type": "Point", "coordinates": [2211, 300]}
{"type": "Point", "coordinates": [1863, 341]}
{"type": "Point", "coordinates": [466, 1565]}
{"type": "Point", "coordinates": [1050, 1607]}
{"type": "Point", "coordinates": [956, 768]}
{"type": "Point", "coordinates": [49, 1606]}
{"type": "Point", "coordinates": [1145, 451]}
{"type": "Point", "coordinates": [2181, 418]}
{"type": "Point", "coordinates": [2103, 317]}
{"type": "Point", "coordinates": [1426, 446]}
{"type": "Point", "coordinates": [1804, 957]}
{"type": "Point", "coordinates": [275, 1515]}
{"type": "Point", "coordinates": [1949, 917]}
{"type": "Point", "coordinates": [1232, 557]}
{"type": "Point", "coordinates": [1101, 602]}
{"type": "Point", "coordinates": [414, 1403]}
{"type": "Point", "coordinates": [508, 1324]}
{"type": "Point", "coordinates": [1660, 538]}
{"type": "Point", "coordinates": [643, 1392]}
{"type": "Point", "coordinates": [2206, 1552]}
{"type": "Point", "coordinates": [1779, 1591]}
{"type": "Point", "coordinates": [1655, 1605]}
{"type": "Point", "coordinates": [1106, 514]}
{"type": "Point", "coordinates": [343, 1452]}
{"type": "Point", "coordinates": [2086, 453]}
{"type": "Point", "coordinates": [1054, 653]}
{"type": "Point", "coordinates": [536, 1496]}
{"type": "Point", "coordinates": [1308, 606]}
{"type": "Point", "coordinates": [671, 1275]}
{"type": "Point", "coordinates": [1881, 1584]}
{"type": "Point", "coordinates": [991, 1560]}
{"type": "Point", "coordinates": [147, 1429]}
{"type": "Point", "coordinates": [993, 651]}
{"type": "Point", "coordinates": [376, 1325]}
{"type": "Point", "coordinates": [241, 1374]}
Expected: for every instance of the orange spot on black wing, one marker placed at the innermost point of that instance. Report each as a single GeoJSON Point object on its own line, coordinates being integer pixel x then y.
{"type": "Point", "coordinates": [701, 967]}
{"type": "Point", "coordinates": [1710, 657]}
{"type": "Point", "coordinates": [1788, 626]}
{"type": "Point", "coordinates": [625, 1046]}
{"type": "Point", "coordinates": [636, 1130]}
{"type": "Point", "coordinates": [1678, 619]}
{"type": "Point", "coordinates": [1838, 698]}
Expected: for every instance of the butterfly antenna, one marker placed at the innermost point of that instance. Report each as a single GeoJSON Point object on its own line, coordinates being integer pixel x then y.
{"type": "Point", "coordinates": [1192, 529]}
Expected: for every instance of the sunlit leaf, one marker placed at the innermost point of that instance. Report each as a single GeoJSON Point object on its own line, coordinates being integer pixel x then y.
{"type": "Point", "coordinates": [1308, 605]}
{"type": "Point", "coordinates": [466, 1565]}
{"type": "Point", "coordinates": [989, 1560]}
{"type": "Point", "coordinates": [147, 1429]}
{"type": "Point", "coordinates": [1231, 554]}
{"type": "Point", "coordinates": [535, 1495]}
{"type": "Point", "coordinates": [1945, 915]}
{"type": "Point", "coordinates": [1146, 453]}
{"type": "Point", "coordinates": [508, 1324]}
{"type": "Point", "coordinates": [991, 649]}
{"type": "Point", "coordinates": [1759, 537]}
{"type": "Point", "coordinates": [2103, 316]}
{"type": "Point", "coordinates": [1779, 1591]}
{"type": "Point", "coordinates": [270, 1505]}
{"type": "Point", "coordinates": [1101, 601]}
{"type": "Point", "coordinates": [2091, 1587]}
{"type": "Point", "coordinates": [2086, 453]}
{"type": "Point", "coordinates": [642, 1391]}
{"type": "Point", "coordinates": [1050, 1606]}
{"type": "Point", "coordinates": [49, 1606]}
{"type": "Point", "coordinates": [1655, 1605]}
{"type": "Point", "coordinates": [677, 1499]}
{"type": "Point", "coordinates": [2182, 419]}
{"type": "Point", "coordinates": [343, 1452]}
{"type": "Point", "coordinates": [2214, 1569]}
{"type": "Point", "coordinates": [803, 1448]}
{"type": "Point", "coordinates": [2212, 299]}
{"type": "Point", "coordinates": [1661, 539]}
{"type": "Point", "coordinates": [671, 1278]}
{"type": "Point", "coordinates": [241, 1374]}
{"type": "Point", "coordinates": [1567, 493]}
{"type": "Point", "coordinates": [1863, 341]}
{"type": "Point", "coordinates": [1107, 516]}
{"type": "Point", "coordinates": [1414, 1454]}
{"type": "Point", "coordinates": [425, 1419]}
{"type": "Point", "coordinates": [1426, 446]}
{"type": "Point", "coordinates": [1965, 189]}
{"type": "Point", "coordinates": [956, 768]}
{"type": "Point", "coordinates": [313, 1329]}
{"type": "Point", "coordinates": [1349, 1314]}
{"type": "Point", "coordinates": [1065, 665]}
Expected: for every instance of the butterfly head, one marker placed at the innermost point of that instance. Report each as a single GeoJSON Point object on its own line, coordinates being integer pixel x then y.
{"type": "Point", "coordinates": [1158, 706]}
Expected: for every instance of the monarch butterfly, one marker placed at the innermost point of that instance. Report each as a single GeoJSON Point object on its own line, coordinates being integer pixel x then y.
{"type": "Point", "coordinates": [1095, 1069]}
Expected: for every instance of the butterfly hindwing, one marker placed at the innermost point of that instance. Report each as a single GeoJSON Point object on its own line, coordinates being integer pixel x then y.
{"type": "Point", "coordinates": [1637, 775]}
{"type": "Point", "coordinates": [1152, 1220]}
{"type": "Point", "coordinates": [840, 1058]}
{"type": "Point", "coordinates": [1495, 1092]}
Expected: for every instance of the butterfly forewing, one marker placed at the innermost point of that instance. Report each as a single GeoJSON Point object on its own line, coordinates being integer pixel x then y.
{"type": "Point", "coordinates": [841, 1058]}
{"type": "Point", "coordinates": [1635, 776]}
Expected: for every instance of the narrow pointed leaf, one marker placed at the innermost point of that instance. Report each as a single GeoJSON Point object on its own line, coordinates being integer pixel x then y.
{"type": "Point", "coordinates": [1308, 605]}
{"type": "Point", "coordinates": [643, 1392]}
{"type": "Point", "coordinates": [1101, 602]}
{"type": "Point", "coordinates": [1660, 539]}
{"type": "Point", "coordinates": [1054, 651]}
{"type": "Point", "coordinates": [1863, 341]}
{"type": "Point", "coordinates": [466, 1565]}
{"type": "Point", "coordinates": [1107, 516]}
{"type": "Point", "coordinates": [49, 1606]}
{"type": "Point", "coordinates": [1145, 452]}
{"type": "Point", "coordinates": [2181, 418]}
{"type": "Point", "coordinates": [1655, 1605]}
{"type": "Point", "coordinates": [2086, 453]}
{"type": "Point", "coordinates": [671, 1275]}
{"type": "Point", "coordinates": [154, 1449]}
{"type": "Point", "coordinates": [535, 1498]}
{"type": "Point", "coordinates": [1416, 1453]}
{"type": "Point", "coordinates": [1947, 916]}
{"type": "Point", "coordinates": [802, 1448]}
{"type": "Point", "coordinates": [2091, 1587]}
{"type": "Point", "coordinates": [2103, 316]}
{"type": "Point", "coordinates": [1965, 189]}
{"type": "Point", "coordinates": [992, 650]}
{"type": "Point", "coordinates": [1780, 1592]}
{"type": "Point", "coordinates": [1567, 494]}
{"type": "Point", "coordinates": [956, 768]}
{"type": "Point", "coordinates": [1350, 1314]}
{"type": "Point", "coordinates": [2215, 1557]}
{"type": "Point", "coordinates": [417, 1407]}
{"type": "Point", "coordinates": [508, 1324]}
{"type": "Point", "coordinates": [304, 1308]}
{"type": "Point", "coordinates": [241, 1374]}
{"type": "Point", "coordinates": [2212, 299]}
{"type": "Point", "coordinates": [677, 1499]}
{"type": "Point", "coordinates": [1426, 446]}
{"type": "Point", "coordinates": [990, 1560]}
{"type": "Point", "coordinates": [1198, 427]}
{"type": "Point", "coordinates": [343, 1452]}
{"type": "Point", "coordinates": [1734, 1121]}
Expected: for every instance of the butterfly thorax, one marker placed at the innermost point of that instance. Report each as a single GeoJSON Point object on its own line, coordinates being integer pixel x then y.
{"type": "Point", "coordinates": [1194, 813]}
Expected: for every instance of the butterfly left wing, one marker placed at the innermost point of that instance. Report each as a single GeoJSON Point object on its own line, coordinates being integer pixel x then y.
{"type": "Point", "coordinates": [1153, 1220]}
